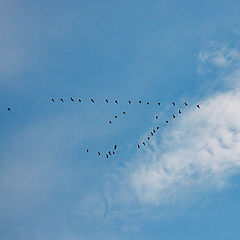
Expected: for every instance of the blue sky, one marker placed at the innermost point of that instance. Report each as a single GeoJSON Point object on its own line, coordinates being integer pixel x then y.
{"type": "Point", "coordinates": [184, 184]}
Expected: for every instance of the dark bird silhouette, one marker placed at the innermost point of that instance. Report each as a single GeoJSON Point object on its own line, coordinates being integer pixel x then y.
{"type": "Point", "coordinates": [166, 121]}
{"type": "Point", "coordinates": [109, 153]}
{"type": "Point", "coordinates": [106, 100]}
{"type": "Point", "coordinates": [151, 133]}
{"type": "Point", "coordinates": [179, 112]}
{"type": "Point", "coordinates": [156, 117]}
{"type": "Point", "coordinates": [173, 116]}
{"type": "Point", "coordinates": [99, 153]}
{"type": "Point", "coordinates": [113, 152]}
{"type": "Point", "coordinates": [154, 131]}
{"type": "Point", "coordinates": [185, 104]}
{"type": "Point", "coordinates": [124, 113]}
{"type": "Point", "coordinates": [159, 103]}
{"type": "Point", "coordinates": [92, 100]}
{"type": "Point", "coordinates": [53, 100]}
{"type": "Point", "coordinates": [72, 99]}
{"type": "Point", "coordinates": [61, 99]}
{"type": "Point", "coordinates": [116, 101]}
{"type": "Point", "coordinates": [115, 116]}
{"type": "Point", "coordinates": [147, 103]}
{"type": "Point", "coordinates": [157, 128]}
{"type": "Point", "coordinates": [110, 122]}
{"type": "Point", "coordinates": [79, 100]}
{"type": "Point", "coordinates": [173, 103]}
{"type": "Point", "coordinates": [140, 101]}
{"type": "Point", "coordinates": [138, 146]}
{"type": "Point", "coordinates": [198, 106]}
{"type": "Point", "coordinates": [9, 109]}
{"type": "Point", "coordinates": [144, 143]}
{"type": "Point", "coordinates": [106, 155]}
{"type": "Point", "coordinates": [115, 146]}
{"type": "Point", "coordinates": [129, 101]}
{"type": "Point", "coordinates": [148, 138]}
{"type": "Point", "coordinates": [87, 150]}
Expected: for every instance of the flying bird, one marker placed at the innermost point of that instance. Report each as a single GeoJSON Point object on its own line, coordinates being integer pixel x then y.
{"type": "Point", "coordinates": [173, 103]}
{"type": "Point", "coordinates": [144, 143]}
{"type": "Point", "coordinates": [148, 138]}
{"type": "Point", "coordinates": [179, 112]}
{"type": "Point", "coordinates": [115, 146]}
{"type": "Point", "coordinates": [198, 106]}
{"type": "Point", "coordinates": [110, 122]}
{"type": "Point", "coordinates": [154, 131]}
{"type": "Point", "coordinates": [147, 103]}
{"type": "Point", "coordinates": [99, 153]}
{"type": "Point", "coordinates": [92, 100]}
{"type": "Point", "coordinates": [116, 101]}
{"type": "Point", "coordinates": [173, 116]}
{"type": "Point", "coordinates": [138, 146]}
{"type": "Point", "coordinates": [166, 121]}
{"type": "Point", "coordinates": [61, 99]}
{"type": "Point", "coordinates": [109, 153]}
{"type": "Point", "coordinates": [156, 117]}
{"type": "Point", "coordinates": [115, 116]}
{"type": "Point", "coordinates": [113, 152]}
{"type": "Point", "coordinates": [72, 99]}
{"type": "Point", "coordinates": [124, 113]}
{"type": "Point", "coordinates": [159, 103]}
{"type": "Point", "coordinates": [129, 101]}
{"type": "Point", "coordinates": [185, 104]}
{"type": "Point", "coordinates": [157, 128]}
{"type": "Point", "coordinates": [9, 109]}
{"type": "Point", "coordinates": [106, 155]}
{"type": "Point", "coordinates": [87, 150]}
{"type": "Point", "coordinates": [106, 100]}
{"type": "Point", "coordinates": [151, 133]}
{"type": "Point", "coordinates": [79, 100]}
{"type": "Point", "coordinates": [140, 101]}
{"type": "Point", "coordinates": [53, 100]}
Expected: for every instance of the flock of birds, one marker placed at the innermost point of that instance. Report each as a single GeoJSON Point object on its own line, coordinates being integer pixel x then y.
{"type": "Point", "coordinates": [154, 131]}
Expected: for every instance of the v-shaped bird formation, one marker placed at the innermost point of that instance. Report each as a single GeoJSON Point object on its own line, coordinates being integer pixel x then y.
{"type": "Point", "coordinates": [114, 149]}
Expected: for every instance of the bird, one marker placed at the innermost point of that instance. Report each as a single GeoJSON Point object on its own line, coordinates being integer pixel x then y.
{"type": "Point", "coordinates": [159, 103]}
{"type": "Point", "coordinates": [173, 116]}
{"type": "Point", "coordinates": [179, 112]}
{"type": "Point", "coordinates": [129, 101]}
{"type": "Point", "coordinates": [115, 116]}
{"type": "Point", "coordinates": [154, 131]}
{"type": "Point", "coordinates": [166, 121]}
{"type": "Point", "coordinates": [87, 150]}
{"type": "Point", "coordinates": [156, 117]}
{"type": "Point", "coordinates": [157, 128]}
{"type": "Point", "coordinates": [99, 153]}
{"type": "Point", "coordinates": [79, 100]}
{"type": "Point", "coordinates": [147, 103]}
{"type": "Point", "coordinates": [124, 113]}
{"type": "Point", "coordinates": [72, 99]}
{"type": "Point", "coordinates": [138, 146]}
{"type": "Point", "coordinates": [113, 152]}
{"type": "Point", "coordinates": [198, 106]}
{"type": "Point", "coordinates": [148, 138]}
{"type": "Point", "coordinates": [106, 155]}
{"type": "Point", "coordinates": [116, 101]}
{"type": "Point", "coordinates": [110, 122]}
{"type": "Point", "coordinates": [151, 133]}
{"type": "Point", "coordinates": [144, 143]}
{"type": "Point", "coordinates": [106, 100]}
{"type": "Point", "coordinates": [115, 146]}
{"type": "Point", "coordinates": [109, 153]}
{"type": "Point", "coordinates": [140, 101]}
{"type": "Point", "coordinates": [185, 104]}
{"type": "Point", "coordinates": [53, 100]}
{"type": "Point", "coordinates": [92, 100]}
{"type": "Point", "coordinates": [9, 109]}
{"type": "Point", "coordinates": [61, 99]}
{"type": "Point", "coordinates": [173, 103]}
